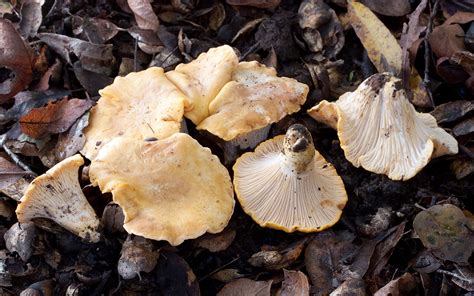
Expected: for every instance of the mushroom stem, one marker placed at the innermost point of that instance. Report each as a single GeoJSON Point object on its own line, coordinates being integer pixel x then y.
{"type": "Point", "coordinates": [298, 148]}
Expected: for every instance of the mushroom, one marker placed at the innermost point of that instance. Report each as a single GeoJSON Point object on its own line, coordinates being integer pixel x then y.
{"type": "Point", "coordinates": [203, 78]}
{"type": "Point", "coordinates": [380, 130]}
{"type": "Point", "coordinates": [171, 189]}
{"type": "Point", "coordinates": [287, 185]}
{"type": "Point", "coordinates": [242, 112]}
{"type": "Point", "coordinates": [57, 195]}
{"type": "Point", "coordinates": [141, 105]}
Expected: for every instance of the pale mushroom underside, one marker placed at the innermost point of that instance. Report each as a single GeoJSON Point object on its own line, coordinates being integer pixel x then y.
{"type": "Point", "coordinates": [383, 133]}
{"type": "Point", "coordinates": [57, 195]}
{"type": "Point", "coordinates": [276, 197]}
{"type": "Point", "coordinates": [171, 189]}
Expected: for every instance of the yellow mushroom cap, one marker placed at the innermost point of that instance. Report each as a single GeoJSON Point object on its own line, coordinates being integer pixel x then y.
{"type": "Point", "coordinates": [57, 195]}
{"type": "Point", "coordinates": [140, 105]}
{"type": "Point", "coordinates": [203, 78]}
{"type": "Point", "coordinates": [171, 189]}
{"type": "Point", "coordinates": [380, 130]}
{"type": "Point", "coordinates": [289, 186]}
{"type": "Point", "coordinates": [255, 98]}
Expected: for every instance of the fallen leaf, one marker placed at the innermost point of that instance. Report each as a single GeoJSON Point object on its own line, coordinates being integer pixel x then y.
{"type": "Point", "coordinates": [31, 17]}
{"type": "Point", "coordinates": [465, 59]}
{"type": "Point", "coordinates": [7, 211]}
{"type": "Point", "coordinates": [215, 242]}
{"type": "Point", "coordinates": [373, 225]}
{"type": "Point", "coordinates": [113, 218]}
{"type": "Point", "coordinates": [15, 62]}
{"type": "Point", "coordinates": [183, 6]}
{"type": "Point", "coordinates": [255, 3]}
{"type": "Point", "coordinates": [217, 17]}
{"type": "Point", "coordinates": [398, 287]}
{"type": "Point", "coordinates": [388, 7]}
{"type": "Point", "coordinates": [96, 30]}
{"type": "Point", "coordinates": [147, 40]}
{"type": "Point", "coordinates": [247, 28]}
{"type": "Point", "coordinates": [9, 173]}
{"type": "Point", "coordinates": [52, 72]}
{"type": "Point", "coordinates": [450, 72]}
{"type": "Point", "coordinates": [91, 81]}
{"type": "Point", "coordinates": [382, 48]}
{"type": "Point", "coordinates": [453, 6]}
{"type": "Point", "coordinates": [97, 58]}
{"type": "Point", "coordinates": [323, 259]}
{"type": "Point", "coordinates": [227, 275]}
{"type": "Point", "coordinates": [464, 278]}
{"type": "Point", "coordinates": [19, 238]}
{"type": "Point", "coordinates": [425, 262]}
{"type": "Point", "coordinates": [144, 15]}
{"type": "Point", "coordinates": [444, 40]}
{"type": "Point", "coordinates": [460, 17]}
{"type": "Point", "coordinates": [351, 287]}
{"type": "Point", "coordinates": [54, 118]}
{"type": "Point", "coordinates": [16, 190]}
{"type": "Point", "coordinates": [462, 167]}
{"type": "Point", "coordinates": [463, 128]}
{"type": "Point", "coordinates": [295, 283]}
{"type": "Point", "coordinates": [276, 260]}
{"type": "Point", "coordinates": [452, 111]}
{"type": "Point", "coordinates": [442, 229]}
{"type": "Point", "coordinates": [137, 255]}
{"type": "Point", "coordinates": [174, 276]}
{"type": "Point", "coordinates": [246, 287]}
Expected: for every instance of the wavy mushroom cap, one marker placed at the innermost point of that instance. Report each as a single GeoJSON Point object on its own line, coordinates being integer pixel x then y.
{"type": "Point", "coordinates": [380, 130]}
{"type": "Point", "coordinates": [57, 195]}
{"type": "Point", "coordinates": [171, 189]}
{"type": "Point", "coordinates": [287, 185]}
{"type": "Point", "coordinates": [140, 105]}
{"type": "Point", "coordinates": [203, 78]}
{"type": "Point", "coordinates": [255, 98]}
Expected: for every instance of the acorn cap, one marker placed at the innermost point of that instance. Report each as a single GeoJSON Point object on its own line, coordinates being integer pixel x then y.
{"type": "Point", "coordinates": [287, 185]}
{"type": "Point", "coordinates": [255, 98]}
{"type": "Point", "coordinates": [380, 130]}
{"type": "Point", "coordinates": [57, 195]}
{"type": "Point", "coordinates": [203, 78]}
{"type": "Point", "coordinates": [140, 105]}
{"type": "Point", "coordinates": [171, 189]}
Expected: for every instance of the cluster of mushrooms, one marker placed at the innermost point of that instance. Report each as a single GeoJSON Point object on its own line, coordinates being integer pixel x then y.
{"type": "Point", "coordinates": [171, 188]}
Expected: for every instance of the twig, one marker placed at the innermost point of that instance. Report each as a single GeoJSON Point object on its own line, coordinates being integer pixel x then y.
{"type": "Point", "coordinates": [135, 50]}
{"type": "Point", "coordinates": [455, 275]}
{"type": "Point", "coordinates": [420, 207]}
{"type": "Point", "coordinates": [218, 269]}
{"type": "Point", "coordinates": [14, 157]}
{"type": "Point", "coordinates": [426, 78]}
{"type": "Point", "coordinates": [250, 50]}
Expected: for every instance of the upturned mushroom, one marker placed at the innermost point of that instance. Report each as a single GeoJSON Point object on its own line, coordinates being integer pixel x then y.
{"type": "Point", "coordinates": [380, 130]}
{"type": "Point", "coordinates": [141, 105]}
{"type": "Point", "coordinates": [242, 112]}
{"type": "Point", "coordinates": [57, 195]}
{"type": "Point", "coordinates": [287, 185]}
{"type": "Point", "coordinates": [172, 189]}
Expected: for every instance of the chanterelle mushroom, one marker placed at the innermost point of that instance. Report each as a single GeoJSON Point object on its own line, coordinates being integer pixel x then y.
{"type": "Point", "coordinates": [380, 130]}
{"type": "Point", "coordinates": [57, 195]}
{"type": "Point", "coordinates": [203, 78]}
{"type": "Point", "coordinates": [286, 184]}
{"type": "Point", "coordinates": [140, 105]}
{"type": "Point", "coordinates": [171, 189]}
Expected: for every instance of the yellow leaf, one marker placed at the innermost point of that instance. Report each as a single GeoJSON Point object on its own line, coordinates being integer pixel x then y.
{"type": "Point", "coordinates": [383, 49]}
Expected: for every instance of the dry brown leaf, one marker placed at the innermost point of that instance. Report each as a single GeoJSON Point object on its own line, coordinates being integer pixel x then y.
{"type": "Point", "coordinates": [16, 56]}
{"type": "Point", "coordinates": [137, 255]}
{"type": "Point", "coordinates": [54, 118]}
{"type": "Point", "coordinates": [9, 173]}
{"type": "Point", "coordinates": [460, 17]}
{"type": "Point", "coordinates": [443, 230]}
{"type": "Point", "coordinates": [452, 111]}
{"type": "Point", "coordinates": [113, 218]}
{"type": "Point", "coordinates": [255, 3]}
{"type": "Point", "coordinates": [382, 48]}
{"type": "Point", "coordinates": [215, 242]}
{"type": "Point", "coordinates": [462, 167]}
{"type": "Point", "coordinates": [246, 287]}
{"type": "Point", "coordinates": [19, 238]}
{"type": "Point", "coordinates": [227, 275]}
{"type": "Point", "coordinates": [276, 260]}
{"type": "Point", "coordinates": [444, 40]}
{"type": "Point", "coordinates": [351, 287]}
{"type": "Point", "coordinates": [96, 30]}
{"type": "Point", "coordinates": [246, 28]}
{"type": "Point", "coordinates": [389, 7]}
{"type": "Point", "coordinates": [464, 127]}
{"type": "Point", "coordinates": [217, 17]}
{"type": "Point", "coordinates": [31, 17]}
{"type": "Point", "coordinates": [144, 14]}
{"type": "Point", "coordinates": [398, 287]}
{"type": "Point", "coordinates": [425, 262]}
{"type": "Point", "coordinates": [295, 283]}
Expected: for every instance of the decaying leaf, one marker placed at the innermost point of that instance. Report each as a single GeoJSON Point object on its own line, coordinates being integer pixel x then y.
{"type": "Point", "coordinates": [138, 255]}
{"type": "Point", "coordinates": [9, 173]}
{"type": "Point", "coordinates": [445, 41]}
{"type": "Point", "coordinates": [425, 262]}
{"type": "Point", "coordinates": [174, 276]}
{"type": "Point", "coordinates": [217, 17]}
{"type": "Point", "coordinates": [462, 167]}
{"type": "Point", "coordinates": [91, 81]}
{"type": "Point", "coordinates": [227, 275]}
{"type": "Point", "coordinates": [443, 230]}
{"type": "Point", "coordinates": [351, 287]}
{"type": "Point", "coordinates": [389, 7]}
{"type": "Point", "coordinates": [6, 209]}
{"type": "Point", "coordinates": [295, 283]}
{"type": "Point", "coordinates": [398, 287]}
{"type": "Point", "coordinates": [464, 278]}
{"type": "Point", "coordinates": [54, 118]}
{"type": "Point", "coordinates": [31, 17]}
{"type": "Point", "coordinates": [382, 48]}
{"type": "Point", "coordinates": [373, 225]}
{"type": "Point", "coordinates": [93, 57]}
{"type": "Point", "coordinates": [144, 14]}
{"type": "Point", "coordinates": [255, 3]}
{"type": "Point", "coordinates": [452, 111]}
{"type": "Point", "coordinates": [113, 218]}
{"type": "Point", "coordinates": [216, 242]}
{"type": "Point", "coordinates": [19, 238]}
{"type": "Point", "coordinates": [276, 260]}
{"type": "Point", "coordinates": [96, 30]}
{"type": "Point", "coordinates": [463, 128]}
{"type": "Point", "coordinates": [15, 62]}
{"type": "Point", "coordinates": [246, 287]}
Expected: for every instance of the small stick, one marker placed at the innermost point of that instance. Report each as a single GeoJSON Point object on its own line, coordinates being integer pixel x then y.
{"type": "Point", "coordinates": [426, 78]}
{"type": "Point", "coordinates": [15, 158]}
{"type": "Point", "coordinates": [219, 268]}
